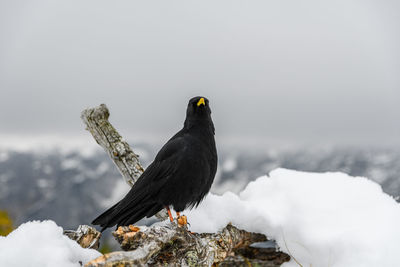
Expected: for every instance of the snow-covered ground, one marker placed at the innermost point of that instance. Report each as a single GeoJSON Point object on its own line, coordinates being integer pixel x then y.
{"type": "Point", "coordinates": [42, 244]}
{"type": "Point", "coordinates": [320, 219]}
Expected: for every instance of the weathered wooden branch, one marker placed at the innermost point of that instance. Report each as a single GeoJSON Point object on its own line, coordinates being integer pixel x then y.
{"type": "Point", "coordinates": [86, 236]}
{"type": "Point", "coordinates": [175, 246]}
{"type": "Point", "coordinates": [127, 162]}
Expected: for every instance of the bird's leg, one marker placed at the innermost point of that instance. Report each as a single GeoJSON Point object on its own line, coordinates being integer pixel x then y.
{"type": "Point", "coordinates": [182, 220]}
{"type": "Point", "coordinates": [169, 214]}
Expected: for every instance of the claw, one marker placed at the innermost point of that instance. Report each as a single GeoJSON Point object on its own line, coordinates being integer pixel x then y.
{"type": "Point", "coordinates": [182, 220]}
{"type": "Point", "coordinates": [133, 228]}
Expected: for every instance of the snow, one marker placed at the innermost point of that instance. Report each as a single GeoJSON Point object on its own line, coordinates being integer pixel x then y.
{"type": "Point", "coordinates": [65, 144]}
{"type": "Point", "coordinates": [321, 219]}
{"type": "Point", "coordinates": [71, 163]}
{"type": "Point", "coordinates": [3, 156]}
{"type": "Point", "coordinates": [102, 168]}
{"type": "Point", "coordinates": [119, 190]}
{"type": "Point", "coordinates": [229, 164]}
{"type": "Point", "coordinates": [42, 244]}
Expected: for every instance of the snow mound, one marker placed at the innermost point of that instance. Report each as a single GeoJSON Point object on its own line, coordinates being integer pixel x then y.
{"type": "Point", "coordinates": [42, 244]}
{"type": "Point", "coordinates": [321, 219]}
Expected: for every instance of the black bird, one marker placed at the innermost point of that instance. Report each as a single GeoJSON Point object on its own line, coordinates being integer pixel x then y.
{"type": "Point", "coordinates": [180, 175]}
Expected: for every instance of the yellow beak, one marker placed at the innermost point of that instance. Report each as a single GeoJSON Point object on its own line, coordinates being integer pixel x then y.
{"type": "Point", "coordinates": [201, 102]}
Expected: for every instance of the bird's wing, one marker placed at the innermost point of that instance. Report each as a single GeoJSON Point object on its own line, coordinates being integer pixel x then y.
{"type": "Point", "coordinates": [142, 199]}
{"type": "Point", "coordinates": [156, 175]}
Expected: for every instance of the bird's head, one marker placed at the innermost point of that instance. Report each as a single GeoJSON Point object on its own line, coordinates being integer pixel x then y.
{"type": "Point", "coordinates": [198, 108]}
{"type": "Point", "coordinates": [199, 113]}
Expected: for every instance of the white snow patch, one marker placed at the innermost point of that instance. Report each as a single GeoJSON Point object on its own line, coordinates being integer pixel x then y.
{"type": "Point", "coordinates": [229, 165]}
{"type": "Point", "coordinates": [102, 168]}
{"type": "Point", "coordinates": [4, 156]}
{"type": "Point", "coordinates": [79, 178]}
{"type": "Point", "coordinates": [43, 143]}
{"type": "Point", "coordinates": [321, 219]}
{"type": "Point", "coordinates": [119, 190]}
{"type": "Point", "coordinates": [5, 177]}
{"type": "Point", "coordinates": [379, 175]}
{"type": "Point", "coordinates": [143, 154]}
{"type": "Point", "coordinates": [43, 183]}
{"type": "Point", "coordinates": [234, 185]}
{"type": "Point", "coordinates": [47, 169]}
{"type": "Point", "coordinates": [71, 163]}
{"type": "Point", "coordinates": [42, 244]}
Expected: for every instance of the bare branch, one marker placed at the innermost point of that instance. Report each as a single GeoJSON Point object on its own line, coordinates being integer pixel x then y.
{"type": "Point", "coordinates": [175, 246]}
{"type": "Point", "coordinates": [86, 236]}
{"type": "Point", "coordinates": [127, 162]}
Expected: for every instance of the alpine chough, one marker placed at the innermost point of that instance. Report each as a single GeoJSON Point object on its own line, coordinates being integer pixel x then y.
{"type": "Point", "coordinates": [179, 177]}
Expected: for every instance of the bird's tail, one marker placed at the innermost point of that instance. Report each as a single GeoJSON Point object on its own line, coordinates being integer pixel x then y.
{"type": "Point", "coordinates": [106, 217]}
{"type": "Point", "coordinates": [125, 214]}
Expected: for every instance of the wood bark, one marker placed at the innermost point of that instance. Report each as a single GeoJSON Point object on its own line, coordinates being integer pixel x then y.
{"type": "Point", "coordinates": [86, 236]}
{"type": "Point", "coordinates": [127, 161]}
{"type": "Point", "coordinates": [172, 245]}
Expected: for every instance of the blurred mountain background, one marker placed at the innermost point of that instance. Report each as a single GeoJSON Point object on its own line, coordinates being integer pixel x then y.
{"type": "Point", "coordinates": [72, 186]}
{"type": "Point", "coordinates": [304, 85]}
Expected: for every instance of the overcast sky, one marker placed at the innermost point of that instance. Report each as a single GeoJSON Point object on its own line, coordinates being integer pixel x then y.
{"type": "Point", "coordinates": [301, 71]}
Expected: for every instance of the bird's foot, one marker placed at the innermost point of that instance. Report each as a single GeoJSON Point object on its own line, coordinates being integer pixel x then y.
{"type": "Point", "coordinates": [182, 221]}
{"type": "Point", "coordinates": [133, 228]}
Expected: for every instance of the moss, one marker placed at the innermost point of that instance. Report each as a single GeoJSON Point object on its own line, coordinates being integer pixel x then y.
{"type": "Point", "coordinates": [6, 224]}
{"type": "Point", "coordinates": [192, 258]}
{"type": "Point", "coordinates": [105, 248]}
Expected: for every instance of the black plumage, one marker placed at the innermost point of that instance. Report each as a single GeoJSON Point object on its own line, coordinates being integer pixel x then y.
{"type": "Point", "coordinates": [180, 176]}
